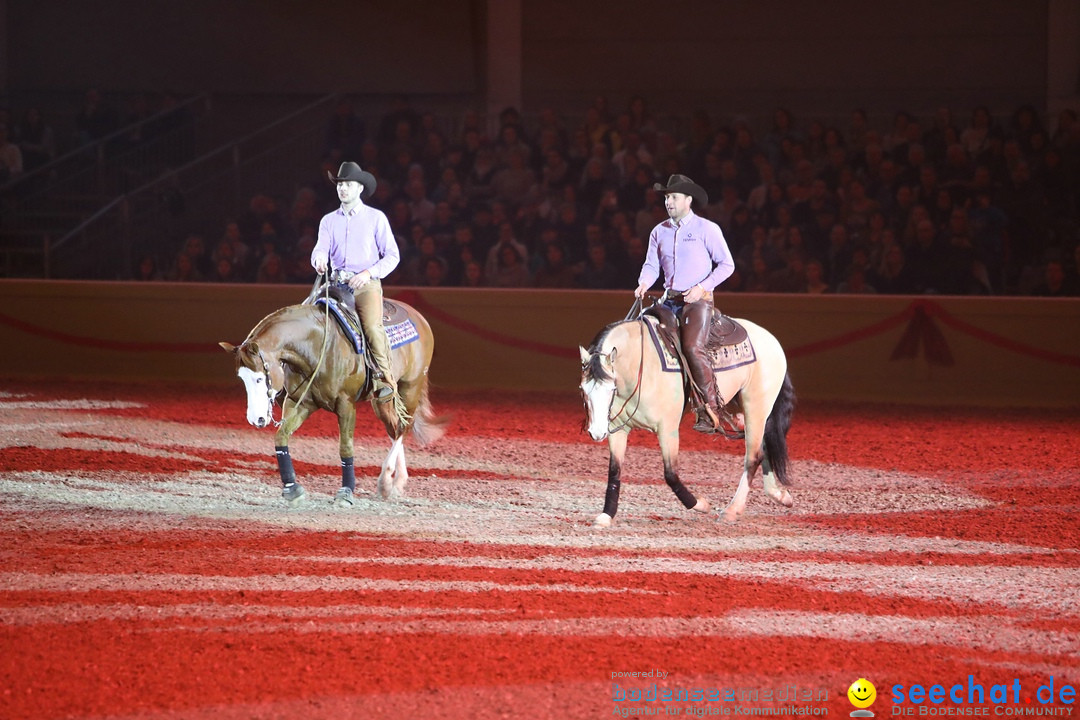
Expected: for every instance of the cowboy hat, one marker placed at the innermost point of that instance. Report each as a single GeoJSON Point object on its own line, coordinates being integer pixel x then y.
{"type": "Point", "coordinates": [351, 171]}
{"type": "Point", "coordinates": [686, 186]}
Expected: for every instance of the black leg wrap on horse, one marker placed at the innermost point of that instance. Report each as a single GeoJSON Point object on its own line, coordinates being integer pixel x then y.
{"type": "Point", "coordinates": [348, 473]}
{"type": "Point", "coordinates": [284, 465]}
{"type": "Point", "coordinates": [611, 498]}
{"type": "Point", "coordinates": [685, 496]}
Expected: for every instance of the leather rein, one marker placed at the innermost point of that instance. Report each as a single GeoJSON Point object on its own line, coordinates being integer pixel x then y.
{"type": "Point", "coordinates": [322, 356]}
{"type": "Point", "coordinates": [635, 313]}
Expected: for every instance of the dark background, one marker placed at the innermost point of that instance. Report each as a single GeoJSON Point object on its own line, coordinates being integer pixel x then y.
{"type": "Point", "coordinates": [736, 56]}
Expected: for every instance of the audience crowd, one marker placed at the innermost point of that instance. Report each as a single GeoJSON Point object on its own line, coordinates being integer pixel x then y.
{"type": "Point", "coordinates": [938, 205]}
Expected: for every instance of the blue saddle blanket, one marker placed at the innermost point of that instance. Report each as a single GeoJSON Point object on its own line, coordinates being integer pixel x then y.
{"type": "Point", "coordinates": [398, 334]}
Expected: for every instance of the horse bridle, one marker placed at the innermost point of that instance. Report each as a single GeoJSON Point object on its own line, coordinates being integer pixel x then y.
{"type": "Point", "coordinates": [271, 394]}
{"type": "Point", "coordinates": [635, 393]}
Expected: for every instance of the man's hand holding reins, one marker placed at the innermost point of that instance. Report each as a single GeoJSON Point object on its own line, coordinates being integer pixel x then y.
{"type": "Point", "coordinates": [694, 294]}
{"type": "Point", "coordinates": [360, 279]}
{"type": "Point", "coordinates": [640, 290]}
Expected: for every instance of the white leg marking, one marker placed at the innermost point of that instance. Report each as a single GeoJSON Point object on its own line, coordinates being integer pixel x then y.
{"type": "Point", "coordinates": [738, 502]}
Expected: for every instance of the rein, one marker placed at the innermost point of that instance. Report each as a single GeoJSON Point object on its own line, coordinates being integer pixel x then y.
{"type": "Point", "coordinates": [318, 365]}
{"type": "Point", "coordinates": [635, 313]}
{"type": "Point", "coordinates": [635, 393]}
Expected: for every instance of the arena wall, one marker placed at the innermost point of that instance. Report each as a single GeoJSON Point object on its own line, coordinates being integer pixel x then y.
{"type": "Point", "coordinates": [904, 349]}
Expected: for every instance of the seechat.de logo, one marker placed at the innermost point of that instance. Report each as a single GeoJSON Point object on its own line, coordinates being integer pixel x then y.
{"type": "Point", "coordinates": [862, 694]}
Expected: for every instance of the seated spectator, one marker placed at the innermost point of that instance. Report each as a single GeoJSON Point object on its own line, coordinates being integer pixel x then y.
{"type": "Point", "coordinates": [224, 271]}
{"type": "Point", "coordinates": [815, 278]}
{"type": "Point", "coordinates": [855, 283]}
{"type": "Point", "coordinates": [183, 269]}
{"type": "Point", "coordinates": [510, 268]}
{"type": "Point", "coordinates": [11, 158]}
{"type": "Point", "coordinates": [495, 256]}
{"type": "Point", "coordinates": [893, 276]}
{"type": "Point", "coordinates": [756, 277]}
{"type": "Point", "coordinates": [95, 119]}
{"type": "Point", "coordinates": [434, 272]}
{"type": "Point", "coordinates": [473, 275]}
{"type": "Point", "coordinates": [35, 139]}
{"type": "Point", "coordinates": [1055, 282]}
{"type": "Point", "coordinates": [148, 271]}
{"type": "Point", "coordinates": [271, 269]}
{"type": "Point", "coordinates": [555, 272]}
{"type": "Point", "coordinates": [791, 278]}
{"type": "Point", "coordinates": [513, 183]}
{"type": "Point", "coordinates": [599, 273]}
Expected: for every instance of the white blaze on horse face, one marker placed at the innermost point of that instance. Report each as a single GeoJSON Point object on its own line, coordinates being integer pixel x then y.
{"type": "Point", "coordinates": [259, 406]}
{"type": "Point", "coordinates": [598, 397]}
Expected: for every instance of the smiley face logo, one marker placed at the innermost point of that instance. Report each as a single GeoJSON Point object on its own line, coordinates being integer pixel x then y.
{"type": "Point", "coordinates": [862, 693]}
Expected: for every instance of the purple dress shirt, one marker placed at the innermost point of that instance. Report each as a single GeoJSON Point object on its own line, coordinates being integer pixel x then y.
{"type": "Point", "coordinates": [357, 241]}
{"type": "Point", "coordinates": [691, 253]}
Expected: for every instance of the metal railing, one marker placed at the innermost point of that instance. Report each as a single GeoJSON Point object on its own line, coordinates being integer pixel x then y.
{"type": "Point", "coordinates": [154, 217]}
{"type": "Point", "coordinates": [110, 164]}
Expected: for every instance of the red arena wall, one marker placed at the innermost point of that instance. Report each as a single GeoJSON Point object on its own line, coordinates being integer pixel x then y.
{"type": "Point", "coordinates": [924, 350]}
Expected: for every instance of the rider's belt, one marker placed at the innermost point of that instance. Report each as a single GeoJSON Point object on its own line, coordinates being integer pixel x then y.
{"type": "Point", "coordinates": [679, 298]}
{"type": "Point", "coordinates": [342, 276]}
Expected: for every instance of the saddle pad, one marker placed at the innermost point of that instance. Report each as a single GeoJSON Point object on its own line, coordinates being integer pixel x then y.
{"type": "Point", "coordinates": [398, 334]}
{"type": "Point", "coordinates": [727, 357]}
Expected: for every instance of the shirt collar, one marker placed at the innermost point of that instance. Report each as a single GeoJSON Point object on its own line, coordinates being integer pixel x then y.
{"type": "Point", "coordinates": [685, 221]}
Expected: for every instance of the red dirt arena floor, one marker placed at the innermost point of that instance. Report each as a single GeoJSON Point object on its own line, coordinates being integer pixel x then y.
{"type": "Point", "coordinates": [149, 569]}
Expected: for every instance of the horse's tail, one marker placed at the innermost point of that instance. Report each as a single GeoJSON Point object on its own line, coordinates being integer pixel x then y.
{"type": "Point", "coordinates": [426, 426]}
{"type": "Point", "coordinates": [776, 430]}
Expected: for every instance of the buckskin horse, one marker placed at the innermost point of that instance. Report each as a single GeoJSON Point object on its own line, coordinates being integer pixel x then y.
{"type": "Point", "coordinates": [314, 360]}
{"type": "Point", "coordinates": [629, 381]}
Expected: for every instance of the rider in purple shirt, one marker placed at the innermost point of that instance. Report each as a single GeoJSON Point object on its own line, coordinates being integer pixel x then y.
{"type": "Point", "coordinates": [694, 257]}
{"type": "Point", "coordinates": [356, 244]}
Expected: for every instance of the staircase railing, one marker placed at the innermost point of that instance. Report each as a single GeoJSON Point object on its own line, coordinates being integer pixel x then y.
{"type": "Point", "coordinates": [153, 217]}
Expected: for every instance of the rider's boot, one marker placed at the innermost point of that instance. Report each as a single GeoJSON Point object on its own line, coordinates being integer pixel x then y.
{"type": "Point", "coordinates": [696, 320]}
{"type": "Point", "coordinates": [708, 419]}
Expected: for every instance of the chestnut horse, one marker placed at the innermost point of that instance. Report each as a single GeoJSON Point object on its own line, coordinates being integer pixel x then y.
{"type": "Point", "coordinates": [625, 387]}
{"type": "Point", "coordinates": [300, 352]}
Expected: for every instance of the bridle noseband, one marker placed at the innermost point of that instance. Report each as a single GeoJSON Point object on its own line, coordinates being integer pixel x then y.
{"type": "Point", "coordinates": [271, 394]}
{"type": "Point", "coordinates": [635, 393]}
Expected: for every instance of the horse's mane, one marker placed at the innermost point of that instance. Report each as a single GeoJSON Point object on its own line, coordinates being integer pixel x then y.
{"type": "Point", "coordinates": [280, 316]}
{"type": "Point", "coordinates": [594, 370]}
{"type": "Point", "coordinates": [270, 319]}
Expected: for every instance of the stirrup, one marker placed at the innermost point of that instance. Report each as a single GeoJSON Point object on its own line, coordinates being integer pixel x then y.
{"type": "Point", "coordinates": [707, 420]}
{"type": "Point", "coordinates": [385, 391]}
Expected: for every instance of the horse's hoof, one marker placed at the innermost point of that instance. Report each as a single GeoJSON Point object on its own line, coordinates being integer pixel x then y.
{"type": "Point", "coordinates": [344, 498]}
{"type": "Point", "coordinates": [602, 520]}
{"type": "Point", "coordinates": [703, 506]}
{"type": "Point", "coordinates": [293, 493]}
{"type": "Point", "coordinates": [730, 516]}
{"type": "Point", "coordinates": [784, 498]}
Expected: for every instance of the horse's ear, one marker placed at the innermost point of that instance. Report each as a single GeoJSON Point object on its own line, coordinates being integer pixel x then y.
{"type": "Point", "coordinates": [227, 347]}
{"type": "Point", "coordinates": [584, 354]}
{"type": "Point", "coordinates": [253, 348]}
{"type": "Point", "coordinates": [612, 354]}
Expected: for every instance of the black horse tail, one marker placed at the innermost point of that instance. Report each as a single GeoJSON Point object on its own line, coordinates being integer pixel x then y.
{"type": "Point", "coordinates": [426, 426]}
{"type": "Point", "coordinates": [776, 430]}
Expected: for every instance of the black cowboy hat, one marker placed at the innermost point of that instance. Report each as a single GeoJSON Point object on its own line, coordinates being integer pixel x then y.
{"type": "Point", "coordinates": [351, 171]}
{"type": "Point", "coordinates": [686, 186]}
